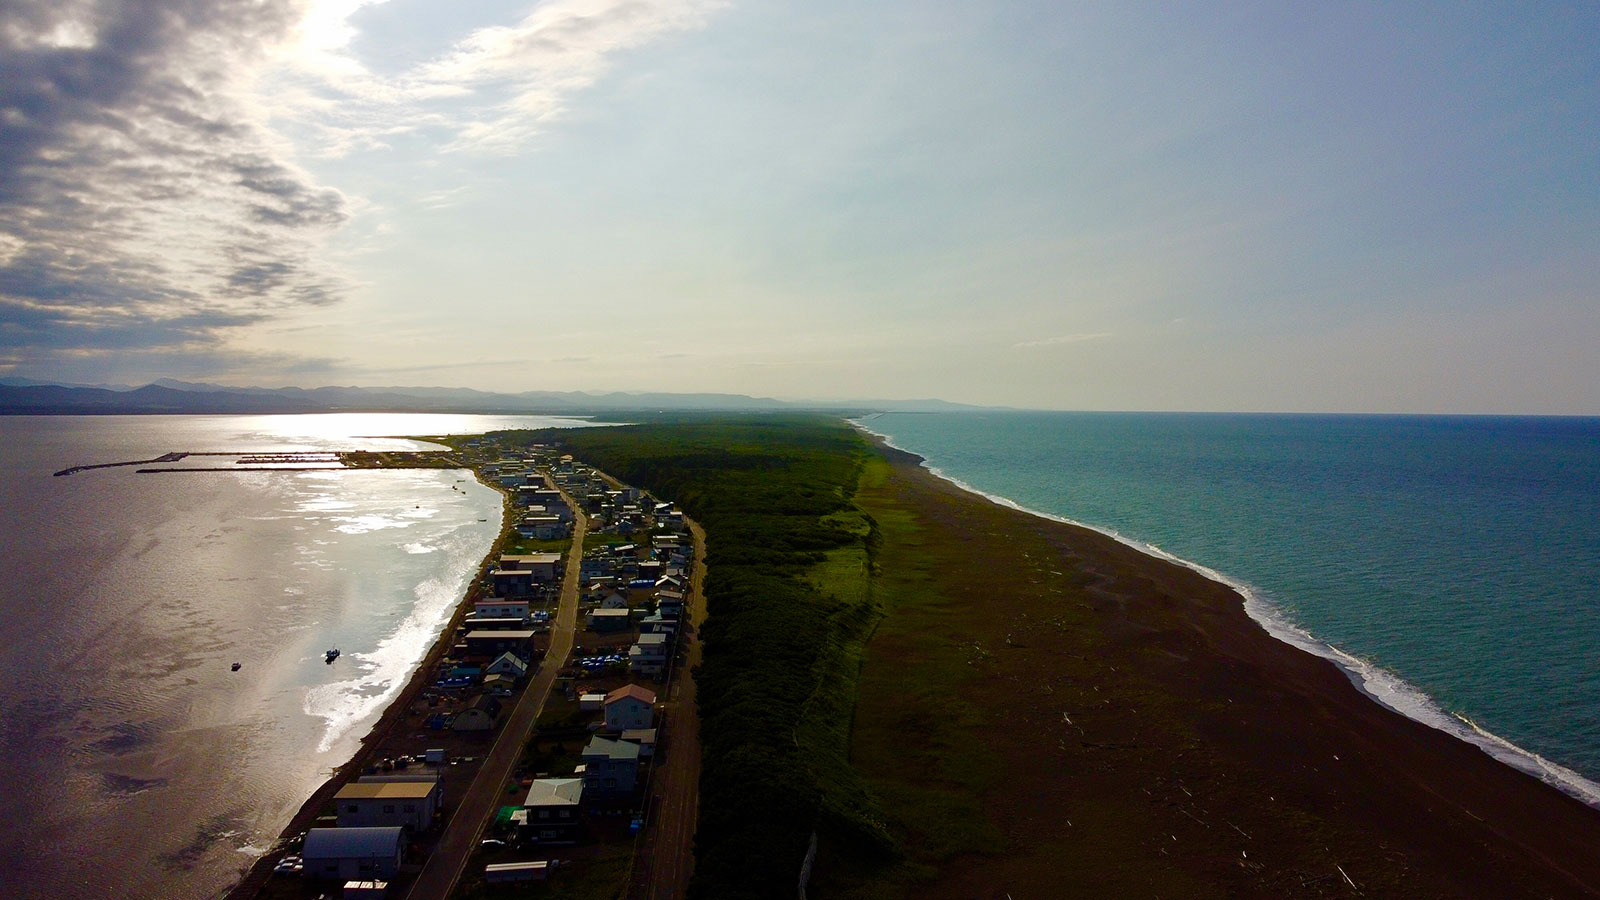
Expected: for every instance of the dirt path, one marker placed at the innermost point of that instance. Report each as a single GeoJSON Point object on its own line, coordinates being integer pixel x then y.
{"type": "Point", "coordinates": [666, 855]}
{"type": "Point", "coordinates": [488, 791]}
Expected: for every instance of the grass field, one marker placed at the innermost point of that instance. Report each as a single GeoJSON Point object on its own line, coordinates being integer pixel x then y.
{"type": "Point", "coordinates": [790, 609]}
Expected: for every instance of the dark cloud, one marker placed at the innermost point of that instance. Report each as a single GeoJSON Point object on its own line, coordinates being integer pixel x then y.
{"type": "Point", "coordinates": [138, 207]}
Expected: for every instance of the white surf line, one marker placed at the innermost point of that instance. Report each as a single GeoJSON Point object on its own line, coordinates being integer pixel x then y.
{"type": "Point", "coordinates": [1377, 683]}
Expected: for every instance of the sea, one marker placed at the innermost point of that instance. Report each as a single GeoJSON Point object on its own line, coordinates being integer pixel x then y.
{"type": "Point", "coordinates": [138, 763]}
{"type": "Point", "coordinates": [1450, 564]}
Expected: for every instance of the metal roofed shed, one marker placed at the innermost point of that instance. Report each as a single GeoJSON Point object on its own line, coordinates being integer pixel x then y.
{"type": "Point", "coordinates": [522, 871]}
{"type": "Point", "coordinates": [353, 854]}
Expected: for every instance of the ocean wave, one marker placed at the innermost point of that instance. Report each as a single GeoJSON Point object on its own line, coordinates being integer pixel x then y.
{"type": "Point", "coordinates": [1377, 683]}
{"type": "Point", "coordinates": [384, 670]}
{"type": "Point", "coordinates": [364, 524]}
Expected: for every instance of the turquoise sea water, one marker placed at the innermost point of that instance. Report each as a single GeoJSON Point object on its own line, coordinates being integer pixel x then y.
{"type": "Point", "coordinates": [1452, 564]}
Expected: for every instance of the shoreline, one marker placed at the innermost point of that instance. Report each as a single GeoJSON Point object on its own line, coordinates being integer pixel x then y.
{"type": "Point", "coordinates": [1093, 715]}
{"type": "Point", "coordinates": [1383, 687]}
{"type": "Point", "coordinates": [260, 870]}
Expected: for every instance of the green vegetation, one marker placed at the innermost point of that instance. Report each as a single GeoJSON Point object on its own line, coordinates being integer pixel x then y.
{"type": "Point", "coordinates": [598, 539]}
{"type": "Point", "coordinates": [790, 611]}
{"type": "Point", "coordinates": [920, 740]}
{"type": "Point", "coordinates": [522, 545]}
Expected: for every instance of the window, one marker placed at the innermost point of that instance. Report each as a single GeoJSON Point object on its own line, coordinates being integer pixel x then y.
{"type": "Point", "coordinates": [411, 807]}
{"type": "Point", "coordinates": [352, 808]}
{"type": "Point", "coordinates": [388, 807]}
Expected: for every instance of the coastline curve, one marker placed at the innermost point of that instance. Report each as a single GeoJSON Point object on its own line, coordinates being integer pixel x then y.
{"type": "Point", "coordinates": [1378, 684]}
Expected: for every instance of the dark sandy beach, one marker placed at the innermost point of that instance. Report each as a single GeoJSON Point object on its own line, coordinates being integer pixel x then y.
{"type": "Point", "coordinates": [1047, 712]}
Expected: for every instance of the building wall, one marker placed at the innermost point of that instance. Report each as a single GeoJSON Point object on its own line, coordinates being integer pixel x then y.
{"type": "Point", "coordinates": [416, 814]}
{"type": "Point", "coordinates": [627, 713]}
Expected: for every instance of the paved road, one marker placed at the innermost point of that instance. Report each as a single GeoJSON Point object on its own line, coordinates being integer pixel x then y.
{"type": "Point", "coordinates": [666, 856]}
{"type": "Point", "coordinates": [487, 793]}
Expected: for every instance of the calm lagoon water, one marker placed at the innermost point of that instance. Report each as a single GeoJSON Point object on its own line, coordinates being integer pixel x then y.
{"type": "Point", "coordinates": [140, 765]}
{"type": "Point", "coordinates": [1452, 564]}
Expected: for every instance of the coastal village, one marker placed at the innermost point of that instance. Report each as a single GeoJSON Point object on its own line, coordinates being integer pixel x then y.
{"type": "Point", "coordinates": [537, 741]}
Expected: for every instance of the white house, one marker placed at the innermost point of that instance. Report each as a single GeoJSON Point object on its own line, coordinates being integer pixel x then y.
{"type": "Point", "coordinates": [353, 854]}
{"type": "Point", "coordinates": [382, 802]}
{"type": "Point", "coordinates": [610, 767]}
{"type": "Point", "coordinates": [500, 608]}
{"type": "Point", "coordinates": [630, 706]}
{"type": "Point", "coordinates": [648, 655]}
{"type": "Point", "coordinates": [507, 663]}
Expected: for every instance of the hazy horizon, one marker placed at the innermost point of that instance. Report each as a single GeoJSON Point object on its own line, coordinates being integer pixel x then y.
{"type": "Point", "coordinates": [1161, 207]}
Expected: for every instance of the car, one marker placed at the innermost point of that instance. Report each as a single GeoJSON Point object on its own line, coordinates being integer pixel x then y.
{"type": "Point", "coordinates": [289, 865]}
{"type": "Point", "coordinates": [491, 842]}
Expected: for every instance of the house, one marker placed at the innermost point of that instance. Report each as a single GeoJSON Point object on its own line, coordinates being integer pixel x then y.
{"type": "Point", "coordinates": [353, 854]}
{"type": "Point", "coordinates": [381, 802]}
{"type": "Point", "coordinates": [491, 644]}
{"type": "Point", "coordinates": [613, 600]}
{"type": "Point", "coordinates": [669, 604]}
{"type": "Point", "coordinates": [648, 655]}
{"type": "Point", "coordinates": [610, 767]}
{"type": "Point", "coordinates": [542, 567]}
{"type": "Point", "coordinates": [542, 528]}
{"type": "Point", "coordinates": [500, 608]}
{"type": "Point", "coordinates": [478, 623]}
{"type": "Point", "coordinates": [669, 583]}
{"type": "Point", "coordinates": [553, 811]}
{"type": "Point", "coordinates": [512, 582]}
{"type": "Point", "coordinates": [607, 621]}
{"type": "Point", "coordinates": [480, 716]}
{"type": "Point", "coordinates": [630, 706]}
{"type": "Point", "coordinates": [507, 664]}
{"type": "Point", "coordinates": [499, 685]}
{"type": "Point", "coordinates": [657, 624]}
{"type": "Point", "coordinates": [644, 737]}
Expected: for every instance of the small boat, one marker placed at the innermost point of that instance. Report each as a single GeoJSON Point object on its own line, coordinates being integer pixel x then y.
{"type": "Point", "coordinates": [236, 666]}
{"type": "Point", "coordinates": [331, 655]}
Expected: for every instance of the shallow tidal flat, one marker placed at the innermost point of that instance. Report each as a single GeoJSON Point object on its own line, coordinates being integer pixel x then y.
{"type": "Point", "coordinates": [1044, 711]}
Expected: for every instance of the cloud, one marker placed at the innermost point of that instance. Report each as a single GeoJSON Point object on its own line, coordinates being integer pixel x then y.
{"type": "Point", "coordinates": [140, 207]}
{"type": "Point", "coordinates": [149, 196]}
{"type": "Point", "coordinates": [1065, 339]}
{"type": "Point", "coordinates": [494, 89]}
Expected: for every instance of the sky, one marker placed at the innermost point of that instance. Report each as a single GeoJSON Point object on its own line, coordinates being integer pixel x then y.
{"type": "Point", "coordinates": [1157, 206]}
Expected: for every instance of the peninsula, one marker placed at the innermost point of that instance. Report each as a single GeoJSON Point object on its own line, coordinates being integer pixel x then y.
{"type": "Point", "coordinates": [904, 689]}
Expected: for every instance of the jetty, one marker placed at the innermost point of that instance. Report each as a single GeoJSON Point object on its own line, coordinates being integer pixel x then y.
{"type": "Point", "coordinates": [165, 458]}
{"type": "Point", "coordinates": [287, 461]}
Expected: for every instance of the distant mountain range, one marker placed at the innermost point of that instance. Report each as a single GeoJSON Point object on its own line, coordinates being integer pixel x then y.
{"type": "Point", "coordinates": [24, 396]}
